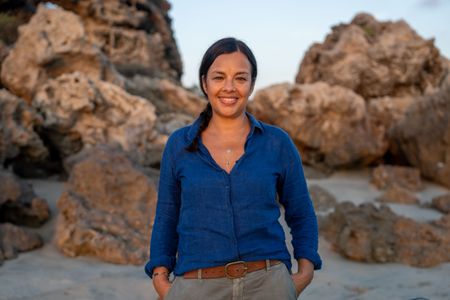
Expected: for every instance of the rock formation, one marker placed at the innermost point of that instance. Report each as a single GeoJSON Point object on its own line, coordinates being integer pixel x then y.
{"type": "Point", "coordinates": [17, 135]}
{"type": "Point", "coordinates": [135, 35]}
{"type": "Point", "coordinates": [385, 176]}
{"type": "Point", "coordinates": [59, 44]}
{"type": "Point", "coordinates": [374, 59]}
{"type": "Point", "coordinates": [80, 113]}
{"type": "Point", "coordinates": [329, 124]}
{"type": "Point", "coordinates": [19, 204]}
{"type": "Point", "coordinates": [14, 239]}
{"type": "Point", "coordinates": [423, 135]}
{"type": "Point", "coordinates": [370, 234]}
{"type": "Point", "coordinates": [107, 209]}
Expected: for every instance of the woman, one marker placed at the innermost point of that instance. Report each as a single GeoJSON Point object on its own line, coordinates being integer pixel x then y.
{"type": "Point", "coordinates": [216, 224]}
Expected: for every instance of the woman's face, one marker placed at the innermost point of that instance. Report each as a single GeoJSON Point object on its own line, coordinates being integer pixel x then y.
{"type": "Point", "coordinates": [228, 84]}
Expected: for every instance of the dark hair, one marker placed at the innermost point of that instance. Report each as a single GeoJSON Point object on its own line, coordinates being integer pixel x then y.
{"type": "Point", "coordinates": [222, 46]}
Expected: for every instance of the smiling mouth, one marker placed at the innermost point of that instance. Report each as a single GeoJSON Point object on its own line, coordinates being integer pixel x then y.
{"type": "Point", "coordinates": [228, 100]}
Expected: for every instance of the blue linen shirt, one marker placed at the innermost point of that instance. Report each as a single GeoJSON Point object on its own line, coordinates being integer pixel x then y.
{"type": "Point", "coordinates": [206, 217]}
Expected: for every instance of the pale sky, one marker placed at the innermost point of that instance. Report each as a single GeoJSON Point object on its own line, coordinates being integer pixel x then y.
{"type": "Point", "coordinates": [280, 31]}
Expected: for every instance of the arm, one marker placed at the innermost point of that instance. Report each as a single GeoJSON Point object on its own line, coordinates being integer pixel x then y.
{"type": "Point", "coordinates": [164, 241]}
{"type": "Point", "coordinates": [300, 217]}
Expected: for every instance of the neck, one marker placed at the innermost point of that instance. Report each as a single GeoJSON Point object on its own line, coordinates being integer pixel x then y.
{"type": "Point", "coordinates": [228, 125]}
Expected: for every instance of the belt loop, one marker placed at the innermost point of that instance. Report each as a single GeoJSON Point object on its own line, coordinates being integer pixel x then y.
{"type": "Point", "coordinates": [267, 264]}
{"type": "Point", "coordinates": [199, 274]}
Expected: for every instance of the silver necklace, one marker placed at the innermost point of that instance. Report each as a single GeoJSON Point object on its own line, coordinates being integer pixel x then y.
{"type": "Point", "coordinates": [227, 162]}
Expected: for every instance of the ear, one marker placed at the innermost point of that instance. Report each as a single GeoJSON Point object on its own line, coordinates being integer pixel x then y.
{"type": "Point", "coordinates": [204, 83]}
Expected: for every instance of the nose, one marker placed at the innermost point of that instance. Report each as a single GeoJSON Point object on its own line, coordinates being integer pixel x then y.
{"type": "Point", "coordinates": [229, 85]}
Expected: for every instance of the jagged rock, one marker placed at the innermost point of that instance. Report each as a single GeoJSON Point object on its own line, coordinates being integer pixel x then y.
{"type": "Point", "coordinates": [136, 35]}
{"type": "Point", "coordinates": [385, 176]}
{"type": "Point", "coordinates": [166, 96]}
{"type": "Point", "coordinates": [167, 123]}
{"type": "Point", "coordinates": [80, 112]}
{"type": "Point", "coordinates": [59, 45]}
{"type": "Point", "coordinates": [17, 135]}
{"type": "Point", "coordinates": [423, 135]}
{"type": "Point", "coordinates": [107, 209]}
{"type": "Point", "coordinates": [374, 59]}
{"type": "Point", "coordinates": [397, 194]}
{"type": "Point", "coordinates": [19, 204]}
{"type": "Point", "coordinates": [14, 239]}
{"type": "Point", "coordinates": [329, 124]}
{"type": "Point", "coordinates": [370, 234]}
{"type": "Point", "coordinates": [388, 111]}
{"type": "Point", "coordinates": [442, 203]}
{"type": "Point", "coordinates": [322, 199]}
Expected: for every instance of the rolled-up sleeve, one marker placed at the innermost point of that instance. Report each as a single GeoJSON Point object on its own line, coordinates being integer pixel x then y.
{"type": "Point", "coordinates": [164, 240]}
{"type": "Point", "coordinates": [299, 211]}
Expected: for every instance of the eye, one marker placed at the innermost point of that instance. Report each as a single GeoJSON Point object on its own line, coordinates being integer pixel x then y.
{"type": "Point", "coordinates": [217, 78]}
{"type": "Point", "coordinates": [241, 79]}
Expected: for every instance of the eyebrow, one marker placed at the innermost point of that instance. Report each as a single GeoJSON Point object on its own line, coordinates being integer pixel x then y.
{"type": "Point", "coordinates": [238, 73]}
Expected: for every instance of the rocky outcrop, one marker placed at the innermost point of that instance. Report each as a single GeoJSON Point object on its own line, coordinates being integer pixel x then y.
{"type": "Point", "coordinates": [374, 59]}
{"type": "Point", "coordinates": [397, 194]}
{"type": "Point", "coordinates": [166, 96]}
{"type": "Point", "coordinates": [370, 234]}
{"type": "Point", "coordinates": [59, 44]}
{"type": "Point", "coordinates": [80, 113]}
{"type": "Point", "coordinates": [135, 35]}
{"type": "Point", "coordinates": [19, 204]}
{"type": "Point", "coordinates": [14, 239]}
{"type": "Point", "coordinates": [107, 209]}
{"type": "Point", "coordinates": [17, 135]}
{"type": "Point", "coordinates": [385, 176]}
{"type": "Point", "coordinates": [442, 203]}
{"type": "Point", "coordinates": [423, 135]}
{"type": "Point", "coordinates": [322, 199]}
{"type": "Point", "coordinates": [329, 124]}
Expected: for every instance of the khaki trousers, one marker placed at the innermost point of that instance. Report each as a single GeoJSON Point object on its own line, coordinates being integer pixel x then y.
{"type": "Point", "coordinates": [272, 284]}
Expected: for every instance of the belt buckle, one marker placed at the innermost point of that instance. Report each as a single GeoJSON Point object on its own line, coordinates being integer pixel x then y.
{"type": "Point", "coordinates": [236, 263]}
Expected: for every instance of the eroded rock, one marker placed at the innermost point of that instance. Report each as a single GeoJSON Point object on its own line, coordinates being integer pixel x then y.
{"type": "Point", "coordinates": [329, 124]}
{"type": "Point", "coordinates": [17, 135]}
{"type": "Point", "coordinates": [19, 204]}
{"type": "Point", "coordinates": [385, 176]}
{"type": "Point", "coordinates": [80, 113]}
{"type": "Point", "coordinates": [322, 199]}
{"type": "Point", "coordinates": [59, 45]}
{"type": "Point", "coordinates": [397, 194]}
{"type": "Point", "coordinates": [423, 135]}
{"type": "Point", "coordinates": [370, 234]}
{"type": "Point", "coordinates": [14, 239]}
{"type": "Point", "coordinates": [107, 209]}
{"type": "Point", "coordinates": [374, 59]}
{"type": "Point", "coordinates": [442, 203]}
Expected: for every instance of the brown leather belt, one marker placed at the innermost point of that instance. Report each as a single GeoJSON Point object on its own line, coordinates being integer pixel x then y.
{"type": "Point", "coordinates": [232, 270]}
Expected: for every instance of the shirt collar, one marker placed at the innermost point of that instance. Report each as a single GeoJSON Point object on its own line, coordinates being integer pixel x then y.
{"type": "Point", "coordinates": [192, 132]}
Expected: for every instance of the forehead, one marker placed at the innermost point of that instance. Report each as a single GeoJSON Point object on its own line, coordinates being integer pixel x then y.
{"type": "Point", "coordinates": [235, 61]}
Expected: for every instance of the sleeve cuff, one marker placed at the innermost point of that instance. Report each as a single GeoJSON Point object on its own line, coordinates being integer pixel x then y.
{"type": "Point", "coordinates": [310, 255]}
{"type": "Point", "coordinates": [166, 261]}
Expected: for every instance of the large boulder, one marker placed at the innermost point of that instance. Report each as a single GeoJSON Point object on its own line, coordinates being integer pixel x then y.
{"type": "Point", "coordinates": [52, 43]}
{"type": "Point", "coordinates": [385, 176]}
{"type": "Point", "coordinates": [135, 35]}
{"type": "Point", "coordinates": [166, 96]}
{"type": "Point", "coordinates": [19, 204]}
{"type": "Point", "coordinates": [17, 135]}
{"type": "Point", "coordinates": [107, 208]}
{"type": "Point", "coordinates": [80, 112]}
{"type": "Point", "coordinates": [374, 59]}
{"type": "Point", "coordinates": [14, 239]}
{"type": "Point", "coordinates": [329, 124]}
{"type": "Point", "coordinates": [370, 234]}
{"type": "Point", "coordinates": [423, 135]}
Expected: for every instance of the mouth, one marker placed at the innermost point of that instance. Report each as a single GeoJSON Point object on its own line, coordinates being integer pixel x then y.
{"type": "Point", "coordinates": [228, 100]}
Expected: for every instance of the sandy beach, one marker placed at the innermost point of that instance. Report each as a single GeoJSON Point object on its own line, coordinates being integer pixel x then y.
{"type": "Point", "coordinates": [47, 274]}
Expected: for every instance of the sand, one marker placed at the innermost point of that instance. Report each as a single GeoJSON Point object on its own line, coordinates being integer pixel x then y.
{"type": "Point", "coordinates": [47, 274]}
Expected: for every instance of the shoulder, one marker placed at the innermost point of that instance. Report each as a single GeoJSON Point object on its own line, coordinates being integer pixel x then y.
{"type": "Point", "coordinates": [276, 133]}
{"type": "Point", "coordinates": [178, 140]}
